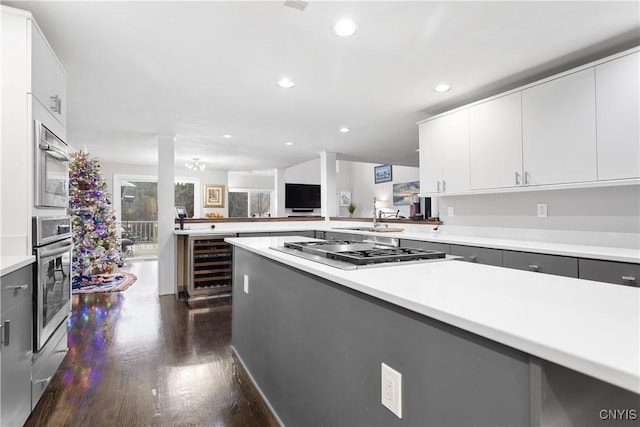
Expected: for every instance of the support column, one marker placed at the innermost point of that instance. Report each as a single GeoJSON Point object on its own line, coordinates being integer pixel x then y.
{"type": "Point", "coordinates": [278, 182]}
{"type": "Point", "coordinates": [167, 280]}
{"type": "Point", "coordinates": [328, 195]}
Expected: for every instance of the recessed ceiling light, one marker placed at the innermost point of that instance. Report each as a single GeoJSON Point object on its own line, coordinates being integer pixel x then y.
{"type": "Point", "coordinates": [288, 143]}
{"type": "Point", "coordinates": [286, 83]}
{"type": "Point", "coordinates": [227, 136]}
{"type": "Point", "coordinates": [442, 88]}
{"type": "Point", "coordinates": [345, 129]}
{"type": "Point", "coordinates": [345, 28]}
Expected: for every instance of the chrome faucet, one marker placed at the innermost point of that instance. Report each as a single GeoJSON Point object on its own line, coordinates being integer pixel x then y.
{"type": "Point", "coordinates": [375, 221]}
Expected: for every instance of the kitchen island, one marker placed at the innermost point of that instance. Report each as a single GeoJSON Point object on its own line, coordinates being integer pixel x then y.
{"type": "Point", "coordinates": [475, 344]}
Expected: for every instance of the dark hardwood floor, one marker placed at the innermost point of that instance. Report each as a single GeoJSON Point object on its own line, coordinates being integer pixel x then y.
{"type": "Point", "coordinates": [137, 359]}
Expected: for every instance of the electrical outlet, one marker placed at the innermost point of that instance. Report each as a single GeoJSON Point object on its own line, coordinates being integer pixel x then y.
{"type": "Point", "coordinates": [391, 390]}
{"type": "Point", "coordinates": [542, 210]}
{"type": "Point", "coordinates": [450, 211]}
{"type": "Point", "coordinates": [246, 284]}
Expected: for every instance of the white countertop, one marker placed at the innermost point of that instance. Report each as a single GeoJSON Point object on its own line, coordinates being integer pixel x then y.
{"type": "Point", "coordinates": [564, 249]}
{"type": "Point", "coordinates": [588, 326]}
{"type": "Point", "coordinates": [9, 264]}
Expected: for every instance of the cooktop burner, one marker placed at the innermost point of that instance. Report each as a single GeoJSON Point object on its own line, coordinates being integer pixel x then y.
{"type": "Point", "coordinates": [379, 255]}
{"type": "Point", "coordinates": [361, 253]}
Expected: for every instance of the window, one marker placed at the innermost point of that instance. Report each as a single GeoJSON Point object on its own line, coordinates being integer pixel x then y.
{"type": "Point", "coordinates": [184, 192]}
{"type": "Point", "coordinates": [250, 203]}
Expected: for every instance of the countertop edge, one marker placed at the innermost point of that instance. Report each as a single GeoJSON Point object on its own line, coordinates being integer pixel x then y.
{"type": "Point", "coordinates": [9, 264]}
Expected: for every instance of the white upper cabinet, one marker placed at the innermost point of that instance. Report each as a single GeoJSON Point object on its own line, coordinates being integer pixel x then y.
{"type": "Point", "coordinates": [430, 156]}
{"type": "Point", "coordinates": [617, 100]}
{"type": "Point", "coordinates": [559, 130]}
{"type": "Point", "coordinates": [48, 79]}
{"type": "Point", "coordinates": [495, 143]}
{"type": "Point", "coordinates": [444, 153]}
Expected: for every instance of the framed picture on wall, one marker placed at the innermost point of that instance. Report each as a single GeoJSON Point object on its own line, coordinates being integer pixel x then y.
{"type": "Point", "coordinates": [345, 198]}
{"type": "Point", "coordinates": [382, 174]}
{"type": "Point", "coordinates": [213, 196]}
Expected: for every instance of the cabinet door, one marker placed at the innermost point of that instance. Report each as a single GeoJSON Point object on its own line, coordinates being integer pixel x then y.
{"type": "Point", "coordinates": [559, 135]}
{"type": "Point", "coordinates": [617, 100]}
{"type": "Point", "coordinates": [430, 156]}
{"type": "Point", "coordinates": [455, 152]}
{"type": "Point", "coordinates": [495, 143]}
{"type": "Point", "coordinates": [60, 91]}
{"type": "Point", "coordinates": [432, 246]}
{"type": "Point", "coordinates": [478, 255]}
{"type": "Point", "coordinates": [41, 68]}
{"type": "Point", "coordinates": [541, 263]}
{"type": "Point", "coordinates": [16, 365]}
{"type": "Point", "coordinates": [621, 273]}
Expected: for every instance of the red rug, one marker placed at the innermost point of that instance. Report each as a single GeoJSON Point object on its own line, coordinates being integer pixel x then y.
{"type": "Point", "coordinates": [114, 282]}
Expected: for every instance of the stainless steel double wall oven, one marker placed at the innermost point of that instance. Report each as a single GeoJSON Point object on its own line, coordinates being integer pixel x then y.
{"type": "Point", "coordinates": [51, 231]}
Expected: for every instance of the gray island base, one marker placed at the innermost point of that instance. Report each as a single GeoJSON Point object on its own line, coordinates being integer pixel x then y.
{"type": "Point", "coordinates": [315, 348]}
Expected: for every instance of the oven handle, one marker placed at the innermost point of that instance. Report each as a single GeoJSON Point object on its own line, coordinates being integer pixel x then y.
{"type": "Point", "coordinates": [43, 253]}
{"type": "Point", "coordinates": [54, 152]}
{"type": "Point", "coordinates": [6, 328]}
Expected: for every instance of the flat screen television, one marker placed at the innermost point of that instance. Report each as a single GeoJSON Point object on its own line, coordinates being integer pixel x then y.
{"type": "Point", "coordinates": [301, 196]}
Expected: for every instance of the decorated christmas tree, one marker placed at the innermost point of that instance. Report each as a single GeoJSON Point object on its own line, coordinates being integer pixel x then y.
{"type": "Point", "coordinates": [96, 247]}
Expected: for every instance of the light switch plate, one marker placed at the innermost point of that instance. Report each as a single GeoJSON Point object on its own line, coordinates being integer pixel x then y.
{"type": "Point", "coordinates": [391, 390]}
{"type": "Point", "coordinates": [246, 284]}
{"type": "Point", "coordinates": [542, 210]}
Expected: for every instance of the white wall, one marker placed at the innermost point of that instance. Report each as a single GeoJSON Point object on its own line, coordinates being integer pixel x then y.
{"type": "Point", "coordinates": [203, 177]}
{"type": "Point", "coordinates": [599, 216]}
{"type": "Point", "coordinates": [209, 177]}
{"type": "Point", "coordinates": [304, 173]}
{"type": "Point", "coordinates": [364, 188]}
{"type": "Point", "coordinates": [344, 182]}
{"type": "Point", "coordinates": [357, 178]}
{"type": "Point", "coordinates": [248, 180]}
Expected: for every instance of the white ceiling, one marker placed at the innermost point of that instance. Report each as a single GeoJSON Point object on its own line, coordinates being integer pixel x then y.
{"type": "Point", "coordinates": [198, 70]}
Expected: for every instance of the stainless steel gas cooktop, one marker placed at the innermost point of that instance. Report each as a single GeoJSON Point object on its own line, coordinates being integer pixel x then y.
{"type": "Point", "coordinates": [349, 255]}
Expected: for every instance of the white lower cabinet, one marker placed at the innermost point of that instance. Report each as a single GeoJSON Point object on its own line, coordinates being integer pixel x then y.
{"type": "Point", "coordinates": [559, 130]}
{"type": "Point", "coordinates": [617, 106]}
{"type": "Point", "coordinates": [495, 143]}
{"type": "Point", "coordinates": [444, 153]}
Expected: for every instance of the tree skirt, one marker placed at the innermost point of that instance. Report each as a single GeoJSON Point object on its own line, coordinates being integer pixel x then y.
{"type": "Point", "coordinates": [114, 282]}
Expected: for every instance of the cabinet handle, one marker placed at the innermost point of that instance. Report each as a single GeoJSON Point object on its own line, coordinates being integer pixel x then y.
{"type": "Point", "coordinates": [25, 286]}
{"type": "Point", "coordinates": [628, 280]}
{"type": "Point", "coordinates": [534, 267]}
{"type": "Point", "coordinates": [56, 104]}
{"type": "Point", "coordinates": [444, 185]}
{"type": "Point", "coordinates": [44, 380]}
{"type": "Point", "coordinates": [438, 186]}
{"type": "Point", "coordinates": [6, 329]}
{"type": "Point", "coordinates": [517, 178]}
{"type": "Point", "coordinates": [526, 178]}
